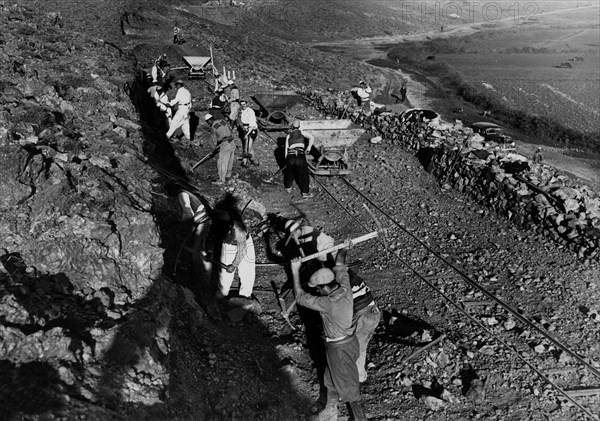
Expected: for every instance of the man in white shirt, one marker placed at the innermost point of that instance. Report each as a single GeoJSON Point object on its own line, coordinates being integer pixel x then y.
{"type": "Point", "coordinates": [363, 92]}
{"type": "Point", "coordinates": [183, 101]}
{"type": "Point", "coordinates": [248, 133]}
{"type": "Point", "coordinates": [162, 102]}
{"type": "Point", "coordinates": [234, 101]}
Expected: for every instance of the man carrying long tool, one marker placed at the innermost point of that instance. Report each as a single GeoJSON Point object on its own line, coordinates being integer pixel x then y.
{"type": "Point", "coordinates": [297, 145]}
{"type": "Point", "coordinates": [183, 101]}
{"type": "Point", "coordinates": [222, 139]}
{"type": "Point", "coordinates": [248, 133]}
{"type": "Point", "coordinates": [334, 303]}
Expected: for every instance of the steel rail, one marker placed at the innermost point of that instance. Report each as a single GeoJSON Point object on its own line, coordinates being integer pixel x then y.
{"type": "Point", "coordinates": [476, 285]}
{"type": "Point", "coordinates": [459, 307]}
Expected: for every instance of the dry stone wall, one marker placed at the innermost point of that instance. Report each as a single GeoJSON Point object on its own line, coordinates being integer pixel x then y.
{"type": "Point", "coordinates": [534, 196]}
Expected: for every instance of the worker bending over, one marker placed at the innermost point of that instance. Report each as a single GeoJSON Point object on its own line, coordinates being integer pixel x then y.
{"type": "Point", "coordinates": [297, 145]}
{"type": "Point", "coordinates": [183, 101]}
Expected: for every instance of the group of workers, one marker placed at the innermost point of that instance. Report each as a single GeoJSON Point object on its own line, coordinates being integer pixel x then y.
{"type": "Point", "coordinates": [345, 303]}
{"type": "Point", "coordinates": [229, 113]}
{"type": "Point", "coordinates": [347, 309]}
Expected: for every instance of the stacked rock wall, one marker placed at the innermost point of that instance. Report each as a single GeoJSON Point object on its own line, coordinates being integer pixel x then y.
{"type": "Point", "coordinates": [535, 196]}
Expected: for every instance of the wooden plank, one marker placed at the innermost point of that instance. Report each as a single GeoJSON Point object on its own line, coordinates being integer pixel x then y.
{"type": "Point", "coordinates": [557, 371]}
{"type": "Point", "coordinates": [424, 348]}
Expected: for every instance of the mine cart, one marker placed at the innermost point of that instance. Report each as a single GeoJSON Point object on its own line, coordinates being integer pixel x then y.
{"type": "Point", "coordinates": [198, 66]}
{"type": "Point", "coordinates": [274, 107]}
{"type": "Point", "coordinates": [332, 140]}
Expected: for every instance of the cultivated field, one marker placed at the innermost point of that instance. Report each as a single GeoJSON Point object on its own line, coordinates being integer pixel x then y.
{"type": "Point", "coordinates": [531, 83]}
{"type": "Point", "coordinates": [549, 68]}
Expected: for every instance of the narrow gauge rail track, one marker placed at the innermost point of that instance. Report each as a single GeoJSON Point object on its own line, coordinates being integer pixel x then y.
{"type": "Point", "coordinates": [474, 284]}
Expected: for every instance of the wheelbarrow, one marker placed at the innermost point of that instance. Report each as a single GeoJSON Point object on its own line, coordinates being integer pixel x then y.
{"type": "Point", "coordinates": [274, 107]}
{"type": "Point", "coordinates": [332, 139]}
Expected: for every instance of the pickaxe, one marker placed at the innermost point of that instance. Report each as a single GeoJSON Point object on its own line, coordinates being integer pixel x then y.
{"type": "Point", "coordinates": [380, 232]}
{"type": "Point", "coordinates": [270, 179]}
{"type": "Point", "coordinates": [207, 157]}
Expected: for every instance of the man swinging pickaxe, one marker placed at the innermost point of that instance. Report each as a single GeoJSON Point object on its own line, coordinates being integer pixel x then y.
{"type": "Point", "coordinates": [325, 245]}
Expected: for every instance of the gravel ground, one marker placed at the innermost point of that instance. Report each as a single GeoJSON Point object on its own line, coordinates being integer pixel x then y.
{"type": "Point", "coordinates": [257, 368]}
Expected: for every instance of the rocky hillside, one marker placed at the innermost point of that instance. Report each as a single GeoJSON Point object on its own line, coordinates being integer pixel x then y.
{"type": "Point", "coordinates": [84, 311]}
{"type": "Point", "coordinates": [99, 318]}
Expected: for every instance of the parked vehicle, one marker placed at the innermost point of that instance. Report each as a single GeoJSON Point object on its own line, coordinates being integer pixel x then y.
{"type": "Point", "coordinates": [492, 132]}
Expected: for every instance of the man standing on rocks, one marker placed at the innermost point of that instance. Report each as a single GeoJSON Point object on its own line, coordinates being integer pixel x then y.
{"type": "Point", "coordinates": [183, 101]}
{"type": "Point", "coordinates": [334, 303]}
{"type": "Point", "coordinates": [537, 156]}
{"type": "Point", "coordinates": [223, 139]}
{"type": "Point", "coordinates": [248, 133]}
{"type": "Point", "coordinates": [363, 92]}
{"type": "Point", "coordinates": [297, 145]}
{"type": "Point", "coordinates": [238, 254]}
{"type": "Point", "coordinates": [234, 101]}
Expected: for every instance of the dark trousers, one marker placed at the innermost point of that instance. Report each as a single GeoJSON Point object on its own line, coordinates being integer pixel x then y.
{"type": "Point", "coordinates": [297, 170]}
{"type": "Point", "coordinates": [341, 374]}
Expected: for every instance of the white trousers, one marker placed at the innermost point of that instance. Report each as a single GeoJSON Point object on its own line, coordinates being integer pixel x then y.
{"type": "Point", "coordinates": [246, 270]}
{"type": "Point", "coordinates": [181, 119]}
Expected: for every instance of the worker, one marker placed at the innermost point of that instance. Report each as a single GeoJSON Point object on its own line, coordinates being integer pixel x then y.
{"type": "Point", "coordinates": [311, 239]}
{"type": "Point", "coordinates": [363, 94]}
{"type": "Point", "coordinates": [248, 133]}
{"type": "Point", "coordinates": [334, 303]}
{"type": "Point", "coordinates": [220, 81]}
{"type": "Point", "coordinates": [366, 313]}
{"type": "Point", "coordinates": [176, 35]}
{"type": "Point", "coordinates": [366, 317]}
{"type": "Point", "coordinates": [152, 90]}
{"type": "Point", "coordinates": [193, 210]}
{"type": "Point", "coordinates": [183, 101]}
{"type": "Point", "coordinates": [234, 101]}
{"type": "Point", "coordinates": [219, 105]}
{"type": "Point", "coordinates": [162, 103]}
{"type": "Point", "coordinates": [537, 156]}
{"type": "Point", "coordinates": [223, 139]}
{"type": "Point", "coordinates": [297, 145]}
{"type": "Point", "coordinates": [238, 254]}
{"type": "Point", "coordinates": [157, 72]}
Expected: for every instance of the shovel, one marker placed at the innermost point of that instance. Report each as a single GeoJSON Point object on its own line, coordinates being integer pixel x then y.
{"type": "Point", "coordinates": [270, 179]}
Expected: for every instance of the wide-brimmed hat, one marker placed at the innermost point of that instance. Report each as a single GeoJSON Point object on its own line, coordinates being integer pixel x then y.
{"type": "Point", "coordinates": [208, 117]}
{"type": "Point", "coordinates": [179, 82]}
